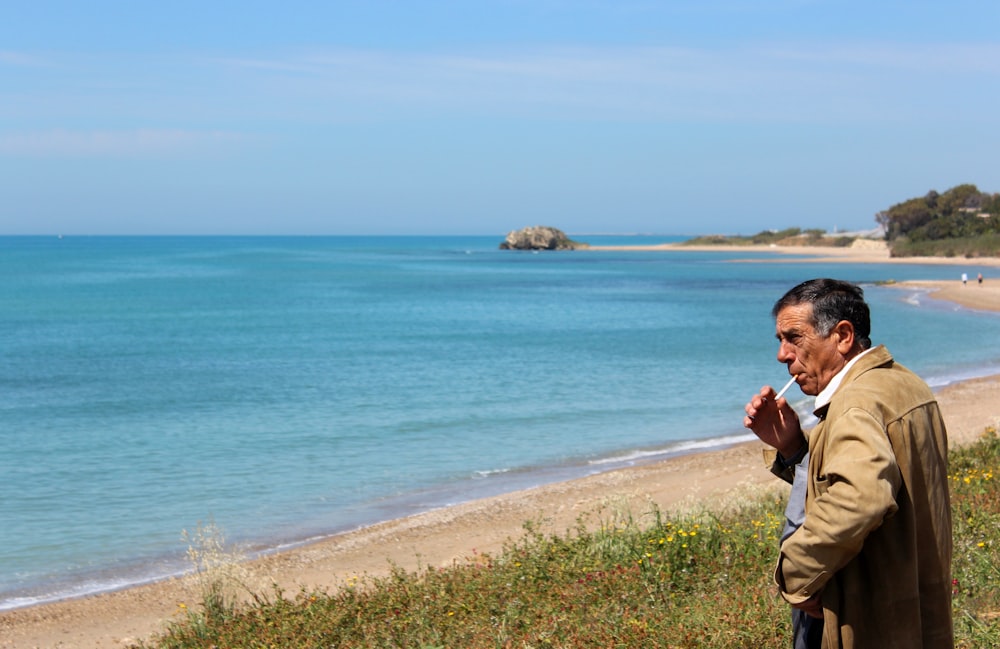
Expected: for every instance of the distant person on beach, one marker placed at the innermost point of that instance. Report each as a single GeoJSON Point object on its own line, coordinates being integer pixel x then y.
{"type": "Point", "coordinates": [979, 278]}
{"type": "Point", "coordinates": [871, 553]}
{"type": "Point", "coordinates": [965, 278]}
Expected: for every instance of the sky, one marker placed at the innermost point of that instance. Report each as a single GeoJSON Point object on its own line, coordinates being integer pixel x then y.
{"type": "Point", "coordinates": [477, 117]}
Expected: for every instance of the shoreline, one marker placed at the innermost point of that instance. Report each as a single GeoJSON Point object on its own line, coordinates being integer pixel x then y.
{"type": "Point", "coordinates": [872, 252]}
{"type": "Point", "coordinates": [454, 534]}
{"type": "Point", "coordinates": [465, 531]}
{"type": "Point", "coordinates": [403, 508]}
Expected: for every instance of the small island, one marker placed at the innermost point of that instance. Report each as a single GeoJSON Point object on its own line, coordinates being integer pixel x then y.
{"type": "Point", "coordinates": [540, 237]}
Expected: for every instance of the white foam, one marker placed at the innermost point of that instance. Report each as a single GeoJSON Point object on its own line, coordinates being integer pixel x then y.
{"type": "Point", "coordinates": [677, 448]}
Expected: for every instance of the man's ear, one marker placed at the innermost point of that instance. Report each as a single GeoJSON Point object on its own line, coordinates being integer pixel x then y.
{"type": "Point", "coordinates": [845, 336]}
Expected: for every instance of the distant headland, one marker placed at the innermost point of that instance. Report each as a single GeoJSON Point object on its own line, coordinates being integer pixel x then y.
{"type": "Point", "coordinates": [961, 222]}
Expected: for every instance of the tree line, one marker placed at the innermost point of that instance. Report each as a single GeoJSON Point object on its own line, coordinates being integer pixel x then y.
{"type": "Point", "coordinates": [959, 221]}
{"type": "Point", "coordinates": [961, 211]}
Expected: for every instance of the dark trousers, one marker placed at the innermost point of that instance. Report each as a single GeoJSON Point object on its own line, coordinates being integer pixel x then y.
{"type": "Point", "coordinates": [807, 631]}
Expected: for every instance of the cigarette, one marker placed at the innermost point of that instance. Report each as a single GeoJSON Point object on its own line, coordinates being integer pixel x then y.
{"type": "Point", "coordinates": [785, 389]}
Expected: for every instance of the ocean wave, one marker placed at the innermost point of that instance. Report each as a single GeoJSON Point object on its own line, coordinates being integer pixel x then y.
{"type": "Point", "coordinates": [41, 594]}
{"type": "Point", "coordinates": [672, 449]}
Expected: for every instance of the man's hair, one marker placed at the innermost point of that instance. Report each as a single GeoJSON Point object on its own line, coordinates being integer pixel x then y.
{"type": "Point", "coordinates": [832, 300]}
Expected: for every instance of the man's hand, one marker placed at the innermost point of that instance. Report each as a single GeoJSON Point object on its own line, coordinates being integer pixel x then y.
{"type": "Point", "coordinates": [813, 607]}
{"type": "Point", "coordinates": [774, 422]}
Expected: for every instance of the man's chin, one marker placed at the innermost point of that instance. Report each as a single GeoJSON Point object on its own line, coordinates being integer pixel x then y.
{"type": "Point", "coordinates": [810, 389]}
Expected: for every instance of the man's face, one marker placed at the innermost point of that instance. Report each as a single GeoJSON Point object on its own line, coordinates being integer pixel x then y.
{"type": "Point", "coordinates": [814, 359]}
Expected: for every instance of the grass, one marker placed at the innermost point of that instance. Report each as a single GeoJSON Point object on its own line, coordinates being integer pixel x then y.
{"type": "Point", "coordinates": [695, 579]}
{"type": "Point", "coordinates": [787, 237]}
{"type": "Point", "coordinates": [984, 245]}
{"type": "Point", "coordinates": [976, 555]}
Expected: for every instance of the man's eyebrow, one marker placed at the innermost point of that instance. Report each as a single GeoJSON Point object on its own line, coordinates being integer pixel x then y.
{"type": "Point", "coordinates": [787, 333]}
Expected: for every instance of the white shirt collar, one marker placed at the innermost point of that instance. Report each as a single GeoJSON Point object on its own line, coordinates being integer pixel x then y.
{"type": "Point", "coordinates": [824, 397]}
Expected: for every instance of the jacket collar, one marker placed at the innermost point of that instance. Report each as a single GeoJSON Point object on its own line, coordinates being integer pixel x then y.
{"type": "Point", "coordinates": [874, 357]}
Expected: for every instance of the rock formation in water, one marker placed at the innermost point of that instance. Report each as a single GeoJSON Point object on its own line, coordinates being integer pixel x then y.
{"type": "Point", "coordinates": [539, 237]}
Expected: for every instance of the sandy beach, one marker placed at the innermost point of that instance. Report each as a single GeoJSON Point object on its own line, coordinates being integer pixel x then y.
{"type": "Point", "coordinates": [861, 252]}
{"type": "Point", "coordinates": [459, 533]}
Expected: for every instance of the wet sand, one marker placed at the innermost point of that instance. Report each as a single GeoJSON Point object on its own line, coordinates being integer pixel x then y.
{"type": "Point", "coordinates": [461, 532]}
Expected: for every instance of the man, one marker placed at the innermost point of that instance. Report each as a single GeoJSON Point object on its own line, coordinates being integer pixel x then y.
{"type": "Point", "coordinates": [872, 556]}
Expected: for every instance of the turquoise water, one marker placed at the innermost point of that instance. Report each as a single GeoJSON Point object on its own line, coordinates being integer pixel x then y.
{"type": "Point", "coordinates": [290, 388]}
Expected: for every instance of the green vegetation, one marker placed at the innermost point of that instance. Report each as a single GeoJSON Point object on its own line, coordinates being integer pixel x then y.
{"type": "Point", "coordinates": [698, 579]}
{"type": "Point", "coordinates": [976, 556]}
{"type": "Point", "coordinates": [985, 245]}
{"type": "Point", "coordinates": [960, 211]}
{"type": "Point", "coordinates": [961, 222]}
{"type": "Point", "coordinates": [786, 237]}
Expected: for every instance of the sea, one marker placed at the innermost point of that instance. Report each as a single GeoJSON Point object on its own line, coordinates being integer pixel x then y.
{"type": "Point", "coordinates": [286, 389]}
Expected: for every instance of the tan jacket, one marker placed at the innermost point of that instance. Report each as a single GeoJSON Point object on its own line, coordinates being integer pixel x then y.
{"type": "Point", "coordinates": [876, 541]}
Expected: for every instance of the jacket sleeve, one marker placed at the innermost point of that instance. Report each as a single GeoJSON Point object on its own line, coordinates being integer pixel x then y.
{"type": "Point", "coordinates": [855, 486]}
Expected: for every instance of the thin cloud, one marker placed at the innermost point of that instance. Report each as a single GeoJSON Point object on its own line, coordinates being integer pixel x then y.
{"type": "Point", "coordinates": [267, 93]}
{"type": "Point", "coordinates": [965, 58]}
{"type": "Point", "coordinates": [19, 59]}
{"type": "Point", "coordinates": [821, 81]}
{"type": "Point", "coordinates": [130, 143]}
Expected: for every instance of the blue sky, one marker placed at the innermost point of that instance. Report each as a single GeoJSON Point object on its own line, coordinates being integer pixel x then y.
{"type": "Point", "coordinates": [479, 117]}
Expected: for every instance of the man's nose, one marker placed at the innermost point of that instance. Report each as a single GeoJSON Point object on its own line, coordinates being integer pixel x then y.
{"type": "Point", "coordinates": [785, 353]}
